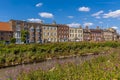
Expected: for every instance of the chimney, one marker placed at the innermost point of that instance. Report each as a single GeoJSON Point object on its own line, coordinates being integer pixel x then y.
{"type": "Point", "coordinates": [54, 22]}
{"type": "Point", "coordinates": [80, 27]}
{"type": "Point", "coordinates": [86, 27]}
{"type": "Point", "coordinates": [97, 27]}
{"type": "Point", "coordinates": [41, 22]}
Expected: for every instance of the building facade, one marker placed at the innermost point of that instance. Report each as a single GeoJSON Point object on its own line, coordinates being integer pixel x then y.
{"type": "Point", "coordinates": [6, 32]}
{"type": "Point", "coordinates": [17, 26]}
{"type": "Point", "coordinates": [107, 35]}
{"type": "Point", "coordinates": [49, 33]}
{"type": "Point", "coordinates": [110, 34]}
{"type": "Point", "coordinates": [75, 34]}
{"type": "Point", "coordinates": [86, 34]}
{"type": "Point", "coordinates": [34, 30]}
{"type": "Point", "coordinates": [62, 33]}
{"type": "Point", "coordinates": [114, 33]}
{"type": "Point", "coordinates": [96, 34]}
{"type": "Point", "coordinates": [43, 33]}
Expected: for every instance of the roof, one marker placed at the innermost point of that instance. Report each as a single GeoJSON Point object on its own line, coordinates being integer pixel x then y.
{"type": "Point", "coordinates": [86, 30]}
{"type": "Point", "coordinates": [53, 25]}
{"type": "Point", "coordinates": [4, 26]}
{"type": "Point", "coordinates": [96, 30]}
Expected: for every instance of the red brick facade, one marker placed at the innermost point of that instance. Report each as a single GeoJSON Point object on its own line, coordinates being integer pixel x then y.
{"type": "Point", "coordinates": [63, 33]}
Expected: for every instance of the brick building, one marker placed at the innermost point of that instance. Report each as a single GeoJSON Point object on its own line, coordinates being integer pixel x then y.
{"type": "Point", "coordinates": [96, 34]}
{"type": "Point", "coordinates": [86, 34]}
{"type": "Point", "coordinates": [34, 30]}
{"type": "Point", "coordinates": [6, 32]}
{"type": "Point", "coordinates": [42, 33]}
{"type": "Point", "coordinates": [62, 33]}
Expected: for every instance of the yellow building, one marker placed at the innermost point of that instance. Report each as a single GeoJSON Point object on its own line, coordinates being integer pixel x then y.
{"type": "Point", "coordinates": [49, 33]}
{"type": "Point", "coordinates": [75, 34]}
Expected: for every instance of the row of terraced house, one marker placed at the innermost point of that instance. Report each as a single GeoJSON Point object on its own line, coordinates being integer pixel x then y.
{"type": "Point", "coordinates": [44, 33]}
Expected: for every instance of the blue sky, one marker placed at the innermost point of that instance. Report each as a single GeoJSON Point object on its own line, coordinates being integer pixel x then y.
{"type": "Point", "coordinates": [104, 13]}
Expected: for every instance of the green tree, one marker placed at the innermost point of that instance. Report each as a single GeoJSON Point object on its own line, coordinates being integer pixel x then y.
{"type": "Point", "coordinates": [12, 40]}
{"type": "Point", "coordinates": [24, 34]}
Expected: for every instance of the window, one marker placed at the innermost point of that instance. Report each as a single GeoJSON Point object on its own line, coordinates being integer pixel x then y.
{"type": "Point", "coordinates": [47, 28]}
{"type": "Point", "coordinates": [51, 34]}
{"type": "Point", "coordinates": [2, 33]}
{"type": "Point", "coordinates": [44, 28]}
{"type": "Point", "coordinates": [38, 29]}
{"type": "Point", "coordinates": [73, 35]}
{"type": "Point", "coordinates": [32, 29]}
{"type": "Point", "coordinates": [78, 35]}
{"type": "Point", "coordinates": [48, 34]}
{"type": "Point", "coordinates": [72, 31]}
{"type": "Point", "coordinates": [2, 38]}
{"type": "Point", "coordinates": [18, 28]}
{"type": "Point", "coordinates": [75, 31]}
{"type": "Point", "coordinates": [49, 39]}
{"type": "Point", "coordinates": [38, 34]}
{"type": "Point", "coordinates": [70, 35]}
{"type": "Point", "coordinates": [55, 34]}
{"type": "Point", "coordinates": [54, 28]}
{"type": "Point", "coordinates": [80, 31]}
{"type": "Point", "coordinates": [51, 28]}
{"type": "Point", "coordinates": [33, 35]}
{"type": "Point", "coordinates": [45, 33]}
{"type": "Point", "coordinates": [54, 39]}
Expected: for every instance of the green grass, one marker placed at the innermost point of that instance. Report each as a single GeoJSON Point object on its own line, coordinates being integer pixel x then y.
{"type": "Point", "coordinates": [101, 68]}
{"type": "Point", "coordinates": [17, 54]}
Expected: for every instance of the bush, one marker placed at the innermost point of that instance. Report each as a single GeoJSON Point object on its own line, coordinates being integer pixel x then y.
{"type": "Point", "coordinates": [13, 40]}
{"type": "Point", "coordinates": [53, 50]}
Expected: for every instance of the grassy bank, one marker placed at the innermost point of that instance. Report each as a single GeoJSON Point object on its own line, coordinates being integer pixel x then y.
{"type": "Point", "coordinates": [26, 53]}
{"type": "Point", "coordinates": [101, 68]}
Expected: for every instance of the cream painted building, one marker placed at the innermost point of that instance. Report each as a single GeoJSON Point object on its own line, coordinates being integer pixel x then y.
{"type": "Point", "coordinates": [114, 33]}
{"type": "Point", "coordinates": [110, 34]}
{"type": "Point", "coordinates": [75, 34]}
{"type": "Point", "coordinates": [107, 35]}
{"type": "Point", "coordinates": [49, 33]}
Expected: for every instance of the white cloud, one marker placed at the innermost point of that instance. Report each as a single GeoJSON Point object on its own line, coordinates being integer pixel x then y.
{"type": "Point", "coordinates": [100, 22]}
{"type": "Point", "coordinates": [84, 9]}
{"type": "Point", "coordinates": [112, 14]}
{"type": "Point", "coordinates": [74, 24]}
{"type": "Point", "coordinates": [46, 15]}
{"type": "Point", "coordinates": [88, 24]}
{"type": "Point", "coordinates": [39, 4]}
{"type": "Point", "coordinates": [34, 20]}
{"type": "Point", "coordinates": [115, 27]}
{"type": "Point", "coordinates": [97, 14]}
{"type": "Point", "coordinates": [70, 17]}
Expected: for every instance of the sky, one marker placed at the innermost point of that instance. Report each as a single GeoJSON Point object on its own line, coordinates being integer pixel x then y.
{"type": "Point", "coordinates": [103, 13]}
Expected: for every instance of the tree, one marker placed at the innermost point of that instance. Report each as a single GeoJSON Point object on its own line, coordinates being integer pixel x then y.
{"type": "Point", "coordinates": [12, 40]}
{"type": "Point", "coordinates": [24, 34]}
